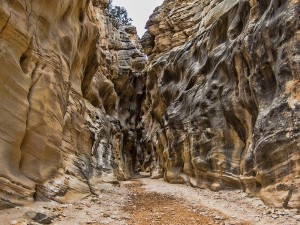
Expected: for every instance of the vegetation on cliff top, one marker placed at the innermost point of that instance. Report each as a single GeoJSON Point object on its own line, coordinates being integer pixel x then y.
{"type": "Point", "coordinates": [119, 13]}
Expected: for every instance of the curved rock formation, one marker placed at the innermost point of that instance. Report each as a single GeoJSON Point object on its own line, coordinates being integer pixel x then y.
{"type": "Point", "coordinates": [64, 114]}
{"type": "Point", "coordinates": [217, 105]}
{"type": "Point", "coordinates": [222, 100]}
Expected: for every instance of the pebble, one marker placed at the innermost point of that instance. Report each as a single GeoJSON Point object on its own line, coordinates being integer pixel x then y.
{"type": "Point", "coordinates": [269, 211]}
{"type": "Point", "coordinates": [38, 217]}
{"type": "Point", "coordinates": [218, 218]}
{"type": "Point", "coordinates": [281, 213]}
{"type": "Point", "coordinates": [21, 223]}
{"type": "Point", "coordinates": [105, 215]}
{"type": "Point", "coordinates": [30, 214]}
{"type": "Point", "coordinates": [297, 217]}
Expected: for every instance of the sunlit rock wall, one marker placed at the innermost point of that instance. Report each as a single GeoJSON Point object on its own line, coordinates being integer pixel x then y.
{"type": "Point", "coordinates": [222, 96]}
{"type": "Point", "coordinates": [65, 68]}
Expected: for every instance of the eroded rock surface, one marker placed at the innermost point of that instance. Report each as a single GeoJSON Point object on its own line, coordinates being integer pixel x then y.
{"type": "Point", "coordinates": [68, 77]}
{"type": "Point", "coordinates": [217, 105]}
{"type": "Point", "coordinates": [222, 96]}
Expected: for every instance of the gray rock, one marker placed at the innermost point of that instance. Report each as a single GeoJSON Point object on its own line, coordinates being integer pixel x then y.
{"type": "Point", "coordinates": [42, 218]}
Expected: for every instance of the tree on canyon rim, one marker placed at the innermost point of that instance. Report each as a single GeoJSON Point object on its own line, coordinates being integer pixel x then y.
{"type": "Point", "coordinates": [119, 13]}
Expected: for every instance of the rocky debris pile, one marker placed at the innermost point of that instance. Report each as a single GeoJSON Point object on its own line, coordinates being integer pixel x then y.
{"type": "Point", "coordinates": [153, 208]}
{"type": "Point", "coordinates": [152, 201]}
{"type": "Point", "coordinates": [103, 208]}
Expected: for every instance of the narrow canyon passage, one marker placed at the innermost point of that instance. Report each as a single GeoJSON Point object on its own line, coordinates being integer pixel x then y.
{"type": "Point", "coordinates": [207, 101]}
{"type": "Point", "coordinates": [143, 201]}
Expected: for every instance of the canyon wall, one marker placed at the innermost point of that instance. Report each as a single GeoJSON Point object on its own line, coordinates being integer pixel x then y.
{"type": "Point", "coordinates": [221, 107]}
{"type": "Point", "coordinates": [216, 106]}
{"type": "Point", "coordinates": [70, 80]}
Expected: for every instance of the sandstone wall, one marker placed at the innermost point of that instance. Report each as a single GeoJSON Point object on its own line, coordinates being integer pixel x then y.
{"type": "Point", "coordinates": [217, 105]}
{"type": "Point", "coordinates": [65, 70]}
{"type": "Point", "coordinates": [222, 96]}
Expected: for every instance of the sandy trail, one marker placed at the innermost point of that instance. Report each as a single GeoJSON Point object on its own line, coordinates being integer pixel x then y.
{"type": "Point", "coordinates": [156, 208]}
{"type": "Point", "coordinates": [233, 206]}
{"type": "Point", "coordinates": [146, 201]}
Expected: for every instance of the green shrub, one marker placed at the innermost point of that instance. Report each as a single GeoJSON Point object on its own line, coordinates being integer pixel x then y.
{"type": "Point", "coordinates": [118, 13]}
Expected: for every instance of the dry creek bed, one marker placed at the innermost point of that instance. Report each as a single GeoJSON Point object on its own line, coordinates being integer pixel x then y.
{"type": "Point", "coordinates": [144, 201]}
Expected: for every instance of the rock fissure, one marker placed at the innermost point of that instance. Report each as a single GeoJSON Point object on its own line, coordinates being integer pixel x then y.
{"type": "Point", "coordinates": [5, 24]}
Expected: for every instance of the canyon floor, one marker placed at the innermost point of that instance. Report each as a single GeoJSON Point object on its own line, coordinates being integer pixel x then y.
{"type": "Point", "coordinates": [146, 201]}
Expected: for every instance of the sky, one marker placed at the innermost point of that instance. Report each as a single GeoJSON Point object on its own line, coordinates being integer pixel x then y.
{"type": "Point", "coordinates": [139, 11]}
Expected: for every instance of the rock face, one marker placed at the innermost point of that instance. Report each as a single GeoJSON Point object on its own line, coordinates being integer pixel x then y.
{"type": "Point", "coordinates": [69, 89]}
{"type": "Point", "coordinates": [217, 105]}
{"type": "Point", "coordinates": [222, 96]}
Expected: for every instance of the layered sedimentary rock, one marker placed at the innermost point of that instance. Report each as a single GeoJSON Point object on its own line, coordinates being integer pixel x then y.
{"type": "Point", "coordinates": [217, 105]}
{"type": "Point", "coordinates": [68, 99]}
{"type": "Point", "coordinates": [222, 96]}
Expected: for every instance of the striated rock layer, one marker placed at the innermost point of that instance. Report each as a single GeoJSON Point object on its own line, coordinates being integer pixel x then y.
{"type": "Point", "coordinates": [222, 96]}
{"type": "Point", "coordinates": [217, 105]}
{"type": "Point", "coordinates": [69, 89]}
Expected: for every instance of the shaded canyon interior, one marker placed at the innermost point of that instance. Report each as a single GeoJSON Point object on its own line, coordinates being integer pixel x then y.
{"type": "Point", "coordinates": [214, 104]}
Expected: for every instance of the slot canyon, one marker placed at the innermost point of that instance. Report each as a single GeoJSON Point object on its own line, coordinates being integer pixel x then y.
{"type": "Point", "coordinates": [195, 122]}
